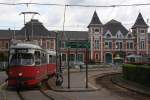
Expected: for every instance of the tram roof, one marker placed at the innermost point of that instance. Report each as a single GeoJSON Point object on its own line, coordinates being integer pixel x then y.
{"type": "Point", "coordinates": [26, 45]}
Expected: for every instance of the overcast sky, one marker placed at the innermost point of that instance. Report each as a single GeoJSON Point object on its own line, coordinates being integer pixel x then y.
{"type": "Point", "coordinates": [77, 18]}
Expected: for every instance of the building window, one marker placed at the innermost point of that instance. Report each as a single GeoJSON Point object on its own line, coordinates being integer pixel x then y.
{"type": "Point", "coordinates": [142, 44]}
{"type": "Point", "coordinates": [119, 45]}
{"type": "Point", "coordinates": [62, 44]}
{"type": "Point", "coordinates": [48, 44]}
{"type": "Point", "coordinates": [134, 32]}
{"type": "Point", "coordinates": [108, 36]}
{"type": "Point", "coordinates": [51, 44]}
{"type": "Point", "coordinates": [96, 30]}
{"type": "Point", "coordinates": [96, 56]}
{"type": "Point", "coordinates": [119, 36]}
{"type": "Point", "coordinates": [72, 57]}
{"type": "Point", "coordinates": [129, 45]}
{"type": "Point", "coordinates": [108, 45]}
{"type": "Point", "coordinates": [63, 57]}
{"type": "Point", "coordinates": [129, 36]}
{"type": "Point", "coordinates": [80, 57]}
{"type": "Point", "coordinates": [142, 31]}
{"type": "Point", "coordinates": [97, 44]}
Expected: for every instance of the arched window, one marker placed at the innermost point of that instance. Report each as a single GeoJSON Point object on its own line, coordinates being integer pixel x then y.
{"type": "Point", "coordinates": [119, 35]}
{"type": "Point", "coordinates": [108, 36]}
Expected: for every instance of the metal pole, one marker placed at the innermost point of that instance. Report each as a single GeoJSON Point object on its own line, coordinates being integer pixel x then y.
{"type": "Point", "coordinates": [25, 27]}
{"type": "Point", "coordinates": [68, 58]}
{"type": "Point", "coordinates": [56, 52]}
{"type": "Point", "coordinates": [60, 62]}
{"type": "Point", "coordinates": [86, 68]}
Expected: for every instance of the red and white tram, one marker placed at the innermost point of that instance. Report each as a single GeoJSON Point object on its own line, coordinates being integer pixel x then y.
{"type": "Point", "coordinates": [29, 64]}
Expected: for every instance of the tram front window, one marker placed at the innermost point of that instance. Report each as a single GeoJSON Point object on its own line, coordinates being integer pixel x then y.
{"type": "Point", "coordinates": [21, 59]}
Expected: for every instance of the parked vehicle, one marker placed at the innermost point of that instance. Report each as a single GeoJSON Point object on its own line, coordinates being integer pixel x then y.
{"type": "Point", "coordinates": [137, 59]}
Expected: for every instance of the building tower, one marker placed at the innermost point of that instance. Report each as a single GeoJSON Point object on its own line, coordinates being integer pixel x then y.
{"type": "Point", "coordinates": [95, 37]}
{"type": "Point", "coordinates": [140, 32]}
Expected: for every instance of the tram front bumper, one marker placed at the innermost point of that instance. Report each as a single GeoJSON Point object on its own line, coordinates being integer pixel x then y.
{"type": "Point", "coordinates": [22, 82]}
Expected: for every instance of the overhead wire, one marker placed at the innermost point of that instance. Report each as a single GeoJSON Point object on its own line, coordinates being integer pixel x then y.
{"type": "Point", "coordinates": [72, 5]}
{"type": "Point", "coordinates": [75, 5]}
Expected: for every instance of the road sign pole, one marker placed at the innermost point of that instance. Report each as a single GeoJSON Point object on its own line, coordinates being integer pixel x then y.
{"type": "Point", "coordinates": [68, 58]}
{"type": "Point", "coordinates": [86, 67]}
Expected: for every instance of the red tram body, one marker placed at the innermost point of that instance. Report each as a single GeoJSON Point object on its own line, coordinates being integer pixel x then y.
{"type": "Point", "coordinates": [29, 64]}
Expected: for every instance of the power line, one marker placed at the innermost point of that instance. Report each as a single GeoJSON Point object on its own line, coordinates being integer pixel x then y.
{"type": "Point", "coordinates": [117, 5]}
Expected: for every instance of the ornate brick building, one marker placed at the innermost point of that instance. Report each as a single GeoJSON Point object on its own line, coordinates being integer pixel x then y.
{"type": "Point", "coordinates": [107, 41]}
{"type": "Point", "coordinates": [112, 39]}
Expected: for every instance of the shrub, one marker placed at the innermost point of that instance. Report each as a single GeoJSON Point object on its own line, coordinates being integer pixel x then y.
{"type": "Point", "coordinates": [137, 73]}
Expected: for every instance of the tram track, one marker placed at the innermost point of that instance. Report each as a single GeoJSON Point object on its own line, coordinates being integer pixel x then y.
{"type": "Point", "coordinates": [42, 93]}
{"type": "Point", "coordinates": [20, 95]}
{"type": "Point", "coordinates": [46, 95]}
{"type": "Point", "coordinates": [23, 95]}
{"type": "Point", "coordinates": [48, 88]}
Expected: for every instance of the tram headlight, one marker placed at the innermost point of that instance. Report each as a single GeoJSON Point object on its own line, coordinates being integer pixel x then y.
{"type": "Point", "coordinates": [20, 74]}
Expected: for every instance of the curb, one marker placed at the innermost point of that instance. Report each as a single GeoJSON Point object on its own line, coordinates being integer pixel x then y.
{"type": "Point", "coordinates": [74, 90]}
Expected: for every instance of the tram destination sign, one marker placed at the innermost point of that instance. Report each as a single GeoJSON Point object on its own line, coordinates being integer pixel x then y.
{"type": "Point", "coordinates": [21, 50]}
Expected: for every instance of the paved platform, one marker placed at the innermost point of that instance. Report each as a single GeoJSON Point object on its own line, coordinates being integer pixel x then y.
{"type": "Point", "coordinates": [77, 81]}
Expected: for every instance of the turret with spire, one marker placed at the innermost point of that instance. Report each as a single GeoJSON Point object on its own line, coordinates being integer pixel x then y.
{"type": "Point", "coordinates": [95, 21]}
{"type": "Point", "coordinates": [139, 31]}
{"type": "Point", "coordinates": [140, 22]}
{"type": "Point", "coordinates": [95, 37]}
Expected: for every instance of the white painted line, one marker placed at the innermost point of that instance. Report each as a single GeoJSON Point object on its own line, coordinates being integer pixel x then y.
{"type": "Point", "coordinates": [92, 86]}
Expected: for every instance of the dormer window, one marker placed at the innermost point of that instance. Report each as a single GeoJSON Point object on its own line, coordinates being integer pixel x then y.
{"type": "Point", "coordinates": [129, 36]}
{"type": "Point", "coordinates": [119, 35]}
{"type": "Point", "coordinates": [108, 36]}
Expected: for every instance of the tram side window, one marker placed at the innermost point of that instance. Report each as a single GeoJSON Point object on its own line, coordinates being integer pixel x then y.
{"type": "Point", "coordinates": [43, 58]}
{"type": "Point", "coordinates": [37, 58]}
{"type": "Point", "coordinates": [54, 59]}
{"type": "Point", "coordinates": [132, 60]}
{"type": "Point", "coordinates": [50, 59]}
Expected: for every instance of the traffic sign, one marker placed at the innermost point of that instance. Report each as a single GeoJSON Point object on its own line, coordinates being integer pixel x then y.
{"type": "Point", "coordinates": [73, 44]}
